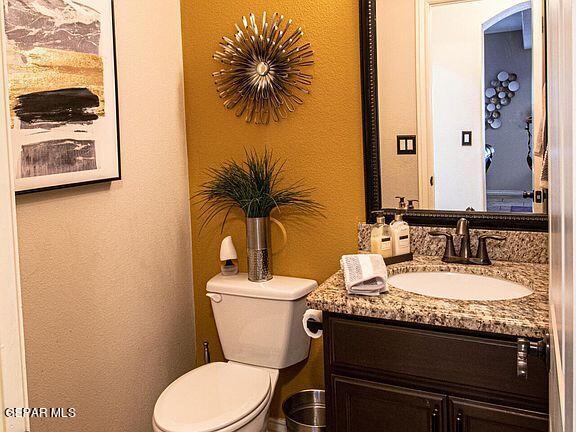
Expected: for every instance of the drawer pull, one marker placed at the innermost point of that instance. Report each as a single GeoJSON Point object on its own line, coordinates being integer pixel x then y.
{"type": "Point", "coordinates": [435, 420]}
{"type": "Point", "coordinates": [540, 349]}
{"type": "Point", "coordinates": [460, 422]}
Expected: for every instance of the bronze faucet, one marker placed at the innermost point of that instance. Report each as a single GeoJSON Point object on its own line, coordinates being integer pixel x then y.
{"type": "Point", "coordinates": [465, 254]}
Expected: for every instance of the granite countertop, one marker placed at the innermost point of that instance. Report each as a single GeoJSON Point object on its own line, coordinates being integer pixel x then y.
{"type": "Point", "coordinates": [526, 317]}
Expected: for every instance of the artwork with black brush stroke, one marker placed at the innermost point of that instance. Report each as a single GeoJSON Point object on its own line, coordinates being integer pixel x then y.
{"type": "Point", "coordinates": [62, 91]}
{"type": "Point", "coordinates": [58, 107]}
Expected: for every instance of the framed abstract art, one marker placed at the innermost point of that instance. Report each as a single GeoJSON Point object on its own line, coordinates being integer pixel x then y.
{"type": "Point", "coordinates": [60, 75]}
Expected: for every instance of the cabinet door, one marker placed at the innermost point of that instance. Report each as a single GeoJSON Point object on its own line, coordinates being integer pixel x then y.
{"type": "Point", "coordinates": [472, 416]}
{"type": "Point", "coordinates": [370, 407]}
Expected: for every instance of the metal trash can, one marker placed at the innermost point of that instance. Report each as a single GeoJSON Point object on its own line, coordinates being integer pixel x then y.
{"type": "Point", "coordinates": [305, 411]}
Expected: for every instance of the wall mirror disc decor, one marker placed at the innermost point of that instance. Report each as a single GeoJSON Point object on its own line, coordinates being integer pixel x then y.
{"type": "Point", "coordinates": [265, 68]}
{"type": "Point", "coordinates": [443, 70]}
{"type": "Point", "coordinates": [500, 92]}
{"type": "Point", "coordinates": [61, 82]}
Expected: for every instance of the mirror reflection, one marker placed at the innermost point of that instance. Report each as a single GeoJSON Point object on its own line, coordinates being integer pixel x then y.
{"type": "Point", "coordinates": [466, 128]}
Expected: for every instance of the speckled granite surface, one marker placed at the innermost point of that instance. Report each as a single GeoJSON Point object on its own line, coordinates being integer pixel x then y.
{"type": "Point", "coordinates": [519, 246]}
{"type": "Point", "coordinates": [527, 317]}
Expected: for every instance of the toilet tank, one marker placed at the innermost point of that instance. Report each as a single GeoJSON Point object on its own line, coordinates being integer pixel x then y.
{"type": "Point", "coordinates": [260, 323]}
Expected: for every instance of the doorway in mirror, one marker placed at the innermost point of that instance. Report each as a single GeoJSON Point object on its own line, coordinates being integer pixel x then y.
{"type": "Point", "coordinates": [509, 133]}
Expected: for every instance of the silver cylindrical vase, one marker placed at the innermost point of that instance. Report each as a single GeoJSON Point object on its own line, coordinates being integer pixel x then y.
{"type": "Point", "coordinates": [259, 249]}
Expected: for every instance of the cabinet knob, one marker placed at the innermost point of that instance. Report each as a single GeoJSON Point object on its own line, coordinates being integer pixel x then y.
{"type": "Point", "coordinates": [435, 420]}
{"type": "Point", "coordinates": [460, 422]}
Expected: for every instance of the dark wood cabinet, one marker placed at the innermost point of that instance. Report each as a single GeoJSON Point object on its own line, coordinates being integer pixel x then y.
{"type": "Point", "coordinates": [387, 377]}
{"type": "Point", "coordinates": [372, 407]}
{"type": "Point", "coordinates": [473, 416]}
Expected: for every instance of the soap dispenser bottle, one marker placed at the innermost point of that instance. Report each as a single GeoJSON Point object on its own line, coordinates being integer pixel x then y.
{"type": "Point", "coordinates": [380, 238]}
{"type": "Point", "coordinates": [400, 233]}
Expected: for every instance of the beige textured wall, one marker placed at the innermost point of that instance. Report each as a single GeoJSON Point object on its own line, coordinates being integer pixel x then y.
{"type": "Point", "coordinates": [397, 96]}
{"type": "Point", "coordinates": [322, 141]}
{"type": "Point", "coordinates": [106, 271]}
{"type": "Point", "coordinates": [2, 423]}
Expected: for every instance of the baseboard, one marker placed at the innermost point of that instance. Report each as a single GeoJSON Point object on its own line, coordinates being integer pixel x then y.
{"type": "Point", "coordinates": [276, 425]}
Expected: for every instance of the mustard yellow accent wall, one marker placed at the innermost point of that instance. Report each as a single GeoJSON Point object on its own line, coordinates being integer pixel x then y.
{"type": "Point", "coordinates": [322, 141]}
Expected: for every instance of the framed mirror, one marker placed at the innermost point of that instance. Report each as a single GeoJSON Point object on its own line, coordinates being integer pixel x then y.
{"type": "Point", "coordinates": [454, 110]}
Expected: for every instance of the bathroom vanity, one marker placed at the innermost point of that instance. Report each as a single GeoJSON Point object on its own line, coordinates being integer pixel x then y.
{"type": "Point", "coordinates": [463, 351]}
{"type": "Point", "coordinates": [408, 362]}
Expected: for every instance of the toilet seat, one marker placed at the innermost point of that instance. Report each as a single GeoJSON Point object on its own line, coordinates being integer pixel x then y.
{"type": "Point", "coordinates": [215, 397]}
{"type": "Point", "coordinates": [231, 428]}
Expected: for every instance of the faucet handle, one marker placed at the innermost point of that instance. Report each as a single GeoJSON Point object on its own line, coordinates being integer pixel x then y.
{"type": "Point", "coordinates": [449, 251]}
{"type": "Point", "coordinates": [482, 253]}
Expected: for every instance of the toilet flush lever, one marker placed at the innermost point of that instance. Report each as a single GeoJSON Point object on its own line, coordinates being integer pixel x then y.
{"type": "Point", "coordinates": [216, 298]}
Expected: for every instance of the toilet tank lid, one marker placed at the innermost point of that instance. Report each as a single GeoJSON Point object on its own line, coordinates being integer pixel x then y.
{"type": "Point", "coordinates": [277, 288]}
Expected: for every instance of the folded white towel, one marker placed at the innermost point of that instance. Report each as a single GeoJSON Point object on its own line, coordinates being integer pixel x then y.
{"type": "Point", "coordinates": [364, 274]}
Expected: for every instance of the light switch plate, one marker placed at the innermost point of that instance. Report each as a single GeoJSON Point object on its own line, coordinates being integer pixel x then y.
{"type": "Point", "coordinates": [406, 144]}
{"type": "Point", "coordinates": [466, 138]}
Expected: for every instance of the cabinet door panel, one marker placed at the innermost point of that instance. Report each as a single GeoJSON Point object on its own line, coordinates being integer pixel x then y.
{"type": "Point", "coordinates": [472, 416]}
{"type": "Point", "coordinates": [371, 407]}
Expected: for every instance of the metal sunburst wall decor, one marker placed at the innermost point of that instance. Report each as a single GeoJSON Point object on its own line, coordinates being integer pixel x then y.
{"type": "Point", "coordinates": [265, 64]}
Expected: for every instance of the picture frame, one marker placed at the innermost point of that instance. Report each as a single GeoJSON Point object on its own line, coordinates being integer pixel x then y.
{"type": "Point", "coordinates": [60, 74]}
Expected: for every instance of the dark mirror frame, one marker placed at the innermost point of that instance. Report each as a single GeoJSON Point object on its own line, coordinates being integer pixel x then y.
{"type": "Point", "coordinates": [372, 172]}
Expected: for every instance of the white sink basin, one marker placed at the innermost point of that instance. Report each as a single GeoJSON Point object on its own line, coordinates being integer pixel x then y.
{"type": "Point", "coordinates": [458, 286]}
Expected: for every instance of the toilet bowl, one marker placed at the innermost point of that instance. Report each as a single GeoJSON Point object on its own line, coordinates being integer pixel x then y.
{"type": "Point", "coordinates": [217, 397]}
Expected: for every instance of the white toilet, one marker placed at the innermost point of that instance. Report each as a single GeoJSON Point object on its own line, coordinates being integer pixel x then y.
{"type": "Point", "coordinates": [260, 329]}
